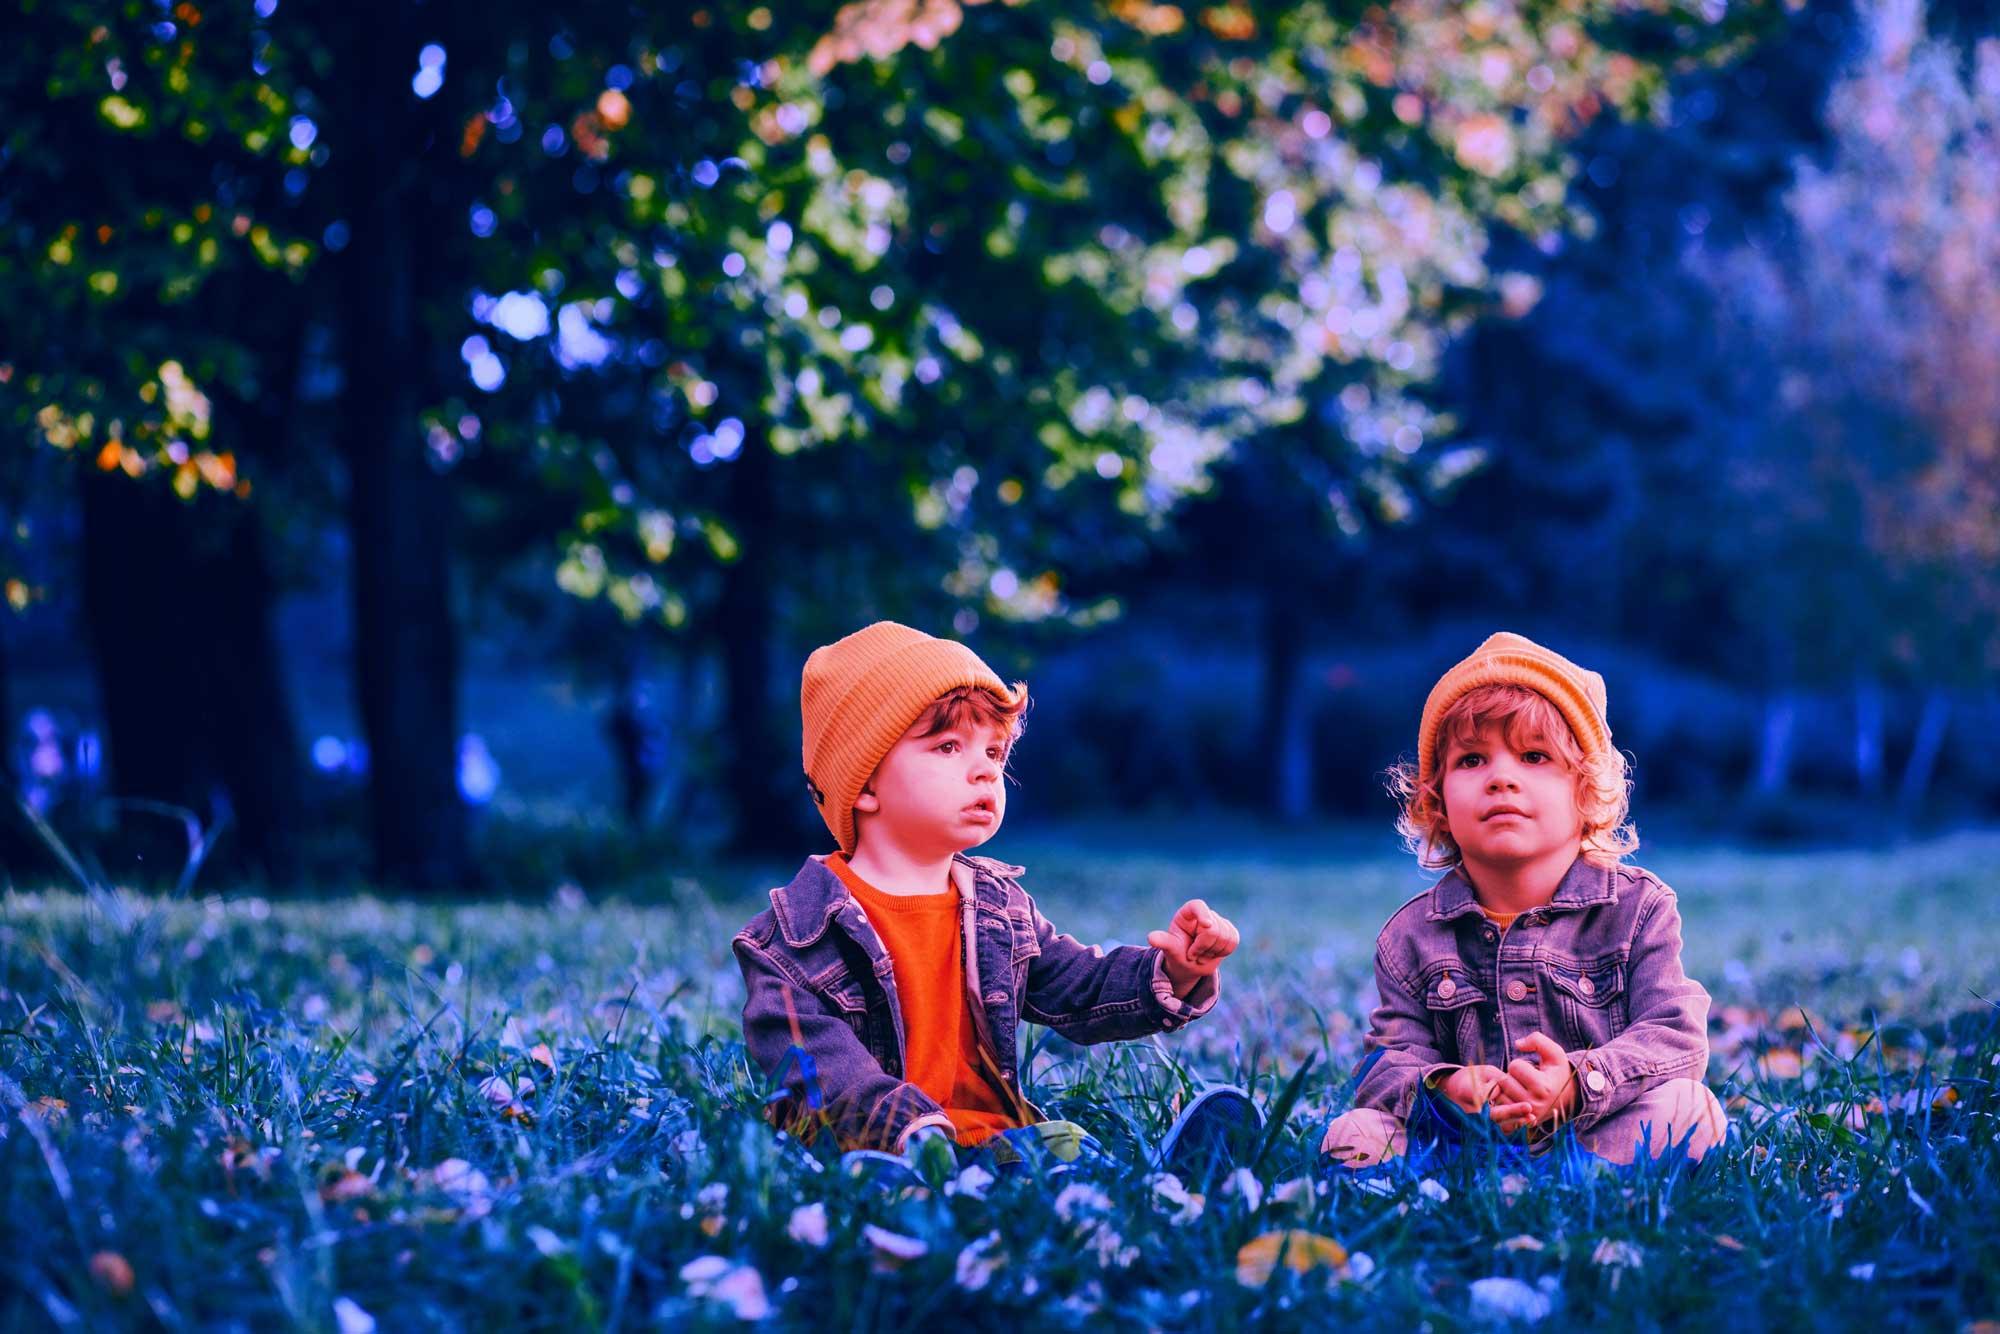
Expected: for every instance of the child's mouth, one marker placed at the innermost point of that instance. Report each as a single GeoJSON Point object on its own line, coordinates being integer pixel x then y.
{"type": "Point", "coordinates": [980, 812]}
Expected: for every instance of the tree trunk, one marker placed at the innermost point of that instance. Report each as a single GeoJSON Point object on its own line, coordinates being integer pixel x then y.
{"type": "Point", "coordinates": [179, 603]}
{"type": "Point", "coordinates": [761, 771]}
{"type": "Point", "coordinates": [1868, 736]}
{"type": "Point", "coordinates": [632, 728]}
{"type": "Point", "coordinates": [1283, 731]}
{"type": "Point", "coordinates": [1774, 752]}
{"type": "Point", "coordinates": [21, 853]}
{"type": "Point", "coordinates": [1924, 751]}
{"type": "Point", "coordinates": [405, 642]}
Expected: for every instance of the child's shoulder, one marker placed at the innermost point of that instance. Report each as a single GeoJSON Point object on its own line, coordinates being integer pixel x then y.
{"type": "Point", "coordinates": [1636, 884]}
{"type": "Point", "coordinates": [1406, 924]}
{"type": "Point", "coordinates": [760, 930]}
{"type": "Point", "coordinates": [996, 868]}
{"type": "Point", "coordinates": [1004, 876]}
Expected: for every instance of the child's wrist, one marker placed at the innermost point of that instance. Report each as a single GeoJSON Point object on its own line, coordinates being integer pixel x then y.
{"type": "Point", "coordinates": [1180, 976]}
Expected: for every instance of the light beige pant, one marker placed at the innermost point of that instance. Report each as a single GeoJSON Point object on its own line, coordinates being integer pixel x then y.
{"type": "Point", "coordinates": [1669, 1111]}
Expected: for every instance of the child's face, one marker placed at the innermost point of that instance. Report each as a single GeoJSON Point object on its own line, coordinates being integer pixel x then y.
{"type": "Point", "coordinates": [939, 794]}
{"type": "Point", "coordinates": [1504, 805]}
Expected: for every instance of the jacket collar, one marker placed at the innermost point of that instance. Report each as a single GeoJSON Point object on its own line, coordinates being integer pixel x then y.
{"type": "Point", "coordinates": [1582, 886]}
{"type": "Point", "coordinates": [816, 895]}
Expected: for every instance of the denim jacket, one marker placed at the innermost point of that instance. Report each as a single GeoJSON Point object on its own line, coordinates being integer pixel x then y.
{"type": "Point", "coordinates": [818, 977]}
{"type": "Point", "coordinates": [1597, 968]}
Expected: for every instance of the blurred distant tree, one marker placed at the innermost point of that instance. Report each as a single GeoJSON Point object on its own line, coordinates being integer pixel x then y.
{"type": "Point", "coordinates": [1878, 307]}
{"type": "Point", "coordinates": [151, 274]}
{"type": "Point", "coordinates": [1743, 429]}
{"type": "Point", "coordinates": [203, 202]}
{"type": "Point", "coordinates": [1616, 412]}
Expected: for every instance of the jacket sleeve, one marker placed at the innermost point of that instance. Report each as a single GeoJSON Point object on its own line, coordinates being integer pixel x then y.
{"type": "Point", "coordinates": [848, 1091]}
{"type": "Point", "coordinates": [1401, 1045]}
{"type": "Point", "coordinates": [1668, 1036]}
{"type": "Point", "coordinates": [1088, 994]}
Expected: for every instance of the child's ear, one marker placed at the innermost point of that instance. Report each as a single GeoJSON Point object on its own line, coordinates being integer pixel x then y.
{"type": "Point", "coordinates": [868, 803]}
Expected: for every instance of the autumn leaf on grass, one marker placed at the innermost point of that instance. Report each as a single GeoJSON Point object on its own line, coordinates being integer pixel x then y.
{"type": "Point", "coordinates": [1297, 1249]}
{"type": "Point", "coordinates": [1781, 1063]}
{"type": "Point", "coordinates": [111, 1272]}
{"type": "Point", "coordinates": [344, 1183]}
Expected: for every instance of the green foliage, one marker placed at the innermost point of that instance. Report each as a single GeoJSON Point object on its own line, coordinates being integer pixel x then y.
{"type": "Point", "coordinates": [152, 239]}
{"type": "Point", "coordinates": [501, 1114]}
{"type": "Point", "coordinates": [1009, 292]}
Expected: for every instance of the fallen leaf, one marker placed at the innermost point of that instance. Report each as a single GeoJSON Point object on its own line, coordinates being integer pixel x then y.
{"type": "Point", "coordinates": [1300, 1251]}
{"type": "Point", "coordinates": [111, 1272]}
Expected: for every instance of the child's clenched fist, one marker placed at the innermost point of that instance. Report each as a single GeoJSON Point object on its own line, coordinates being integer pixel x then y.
{"type": "Point", "coordinates": [1194, 944]}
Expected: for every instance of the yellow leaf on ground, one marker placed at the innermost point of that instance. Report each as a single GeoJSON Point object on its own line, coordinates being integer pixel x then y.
{"type": "Point", "coordinates": [1781, 1063]}
{"type": "Point", "coordinates": [111, 1272]}
{"type": "Point", "coordinates": [1298, 1249]}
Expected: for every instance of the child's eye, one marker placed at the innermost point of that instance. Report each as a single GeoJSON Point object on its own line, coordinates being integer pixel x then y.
{"type": "Point", "coordinates": [995, 754]}
{"type": "Point", "coordinates": [1467, 760]}
{"type": "Point", "coordinates": [946, 747]}
{"type": "Point", "coordinates": [1535, 756]}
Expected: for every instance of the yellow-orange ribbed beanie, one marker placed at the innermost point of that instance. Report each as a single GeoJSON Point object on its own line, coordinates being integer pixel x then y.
{"type": "Point", "coordinates": [858, 696]}
{"type": "Point", "coordinates": [1509, 659]}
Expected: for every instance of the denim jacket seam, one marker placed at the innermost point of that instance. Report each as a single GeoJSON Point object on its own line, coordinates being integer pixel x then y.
{"type": "Point", "coordinates": [783, 918]}
{"type": "Point", "coordinates": [1108, 1010]}
{"type": "Point", "coordinates": [779, 962]}
{"type": "Point", "coordinates": [1647, 907]}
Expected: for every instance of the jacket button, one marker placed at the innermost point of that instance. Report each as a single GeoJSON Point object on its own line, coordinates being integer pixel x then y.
{"type": "Point", "coordinates": [1491, 934]}
{"type": "Point", "coordinates": [1586, 986]}
{"type": "Point", "coordinates": [1447, 989]}
{"type": "Point", "coordinates": [1594, 1081]}
{"type": "Point", "coordinates": [1517, 990]}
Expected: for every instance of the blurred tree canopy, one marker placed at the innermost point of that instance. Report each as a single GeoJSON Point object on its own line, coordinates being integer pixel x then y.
{"type": "Point", "coordinates": [748, 323]}
{"type": "Point", "coordinates": [1007, 281]}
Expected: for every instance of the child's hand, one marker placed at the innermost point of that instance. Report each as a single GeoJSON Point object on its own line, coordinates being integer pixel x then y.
{"type": "Point", "coordinates": [1471, 1087]}
{"type": "Point", "coordinates": [1194, 944]}
{"type": "Point", "coordinates": [1547, 1085]}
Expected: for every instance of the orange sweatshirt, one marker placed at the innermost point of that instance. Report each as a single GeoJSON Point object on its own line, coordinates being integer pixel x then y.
{"type": "Point", "coordinates": [941, 1052]}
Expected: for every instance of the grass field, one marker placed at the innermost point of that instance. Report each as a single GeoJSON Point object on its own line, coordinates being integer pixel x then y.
{"type": "Point", "coordinates": [254, 1112]}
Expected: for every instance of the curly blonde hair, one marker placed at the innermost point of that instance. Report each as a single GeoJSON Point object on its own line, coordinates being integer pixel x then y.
{"type": "Point", "coordinates": [1527, 720]}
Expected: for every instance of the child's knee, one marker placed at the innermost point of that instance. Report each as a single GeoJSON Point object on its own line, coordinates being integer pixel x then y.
{"type": "Point", "coordinates": [1363, 1137]}
{"type": "Point", "coordinates": [1669, 1116]}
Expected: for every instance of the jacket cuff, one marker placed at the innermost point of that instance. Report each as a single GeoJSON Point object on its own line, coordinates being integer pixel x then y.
{"type": "Point", "coordinates": [1178, 1011]}
{"type": "Point", "coordinates": [1598, 1088]}
{"type": "Point", "coordinates": [934, 1120]}
{"type": "Point", "coordinates": [1438, 1071]}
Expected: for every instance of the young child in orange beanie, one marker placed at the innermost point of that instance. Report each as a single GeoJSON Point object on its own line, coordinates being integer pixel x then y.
{"type": "Point", "coordinates": [1540, 981]}
{"type": "Point", "coordinates": [902, 968]}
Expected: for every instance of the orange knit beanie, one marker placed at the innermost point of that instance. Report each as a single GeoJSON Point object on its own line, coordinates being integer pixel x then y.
{"type": "Point", "coordinates": [859, 695]}
{"type": "Point", "coordinates": [1509, 659]}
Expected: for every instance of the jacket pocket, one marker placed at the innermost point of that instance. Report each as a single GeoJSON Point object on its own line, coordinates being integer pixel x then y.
{"type": "Point", "coordinates": [1453, 1002]}
{"type": "Point", "coordinates": [1590, 997]}
{"type": "Point", "coordinates": [1022, 930]}
{"type": "Point", "coordinates": [842, 990]}
{"type": "Point", "coordinates": [1022, 947]}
